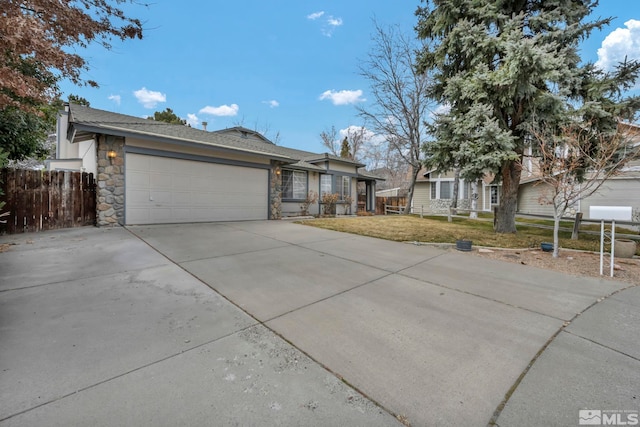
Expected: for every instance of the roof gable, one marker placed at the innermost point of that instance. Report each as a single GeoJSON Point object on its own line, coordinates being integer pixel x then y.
{"type": "Point", "coordinates": [86, 121]}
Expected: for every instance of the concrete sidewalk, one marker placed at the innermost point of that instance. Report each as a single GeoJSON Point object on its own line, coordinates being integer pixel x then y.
{"type": "Point", "coordinates": [97, 319]}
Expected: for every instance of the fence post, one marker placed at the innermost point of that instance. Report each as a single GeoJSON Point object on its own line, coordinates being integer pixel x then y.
{"type": "Point", "coordinates": [450, 213]}
{"type": "Point", "coordinates": [576, 226]}
{"type": "Point", "coordinates": [421, 211]}
{"type": "Point", "coordinates": [495, 217]}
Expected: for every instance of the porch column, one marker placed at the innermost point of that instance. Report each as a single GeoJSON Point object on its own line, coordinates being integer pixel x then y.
{"type": "Point", "coordinates": [371, 196]}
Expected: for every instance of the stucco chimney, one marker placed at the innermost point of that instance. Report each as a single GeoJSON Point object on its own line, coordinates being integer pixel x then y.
{"type": "Point", "coordinates": [204, 125]}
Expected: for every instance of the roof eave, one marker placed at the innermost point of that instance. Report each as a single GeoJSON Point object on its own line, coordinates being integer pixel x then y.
{"type": "Point", "coordinates": [78, 131]}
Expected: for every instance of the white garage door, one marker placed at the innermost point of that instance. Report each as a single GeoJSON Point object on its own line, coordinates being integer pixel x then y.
{"type": "Point", "coordinates": [166, 190]}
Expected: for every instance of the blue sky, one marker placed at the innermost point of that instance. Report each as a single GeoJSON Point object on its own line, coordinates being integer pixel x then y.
{"type": "Point", "coordinates": [280, 66]}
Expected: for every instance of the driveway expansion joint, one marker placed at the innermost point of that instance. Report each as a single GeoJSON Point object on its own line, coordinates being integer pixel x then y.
{"type": "Point", "coordinates": [122, 374]}
{"type": "Point", "coordinates": [512, 389]}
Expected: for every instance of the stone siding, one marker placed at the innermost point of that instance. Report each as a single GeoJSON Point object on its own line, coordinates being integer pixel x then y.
{"type": "Point", "coordinates": [110, 181]}
{"type": "Point", "coordinates": [441, 206]}
{"type": "Point", "coordinates": [275, 191]}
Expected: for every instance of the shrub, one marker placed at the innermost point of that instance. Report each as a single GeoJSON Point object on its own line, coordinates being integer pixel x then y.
{"type": "Point", "coordinates": [312, 198]}
{"type": "Point", "coordinates": [329, 202]}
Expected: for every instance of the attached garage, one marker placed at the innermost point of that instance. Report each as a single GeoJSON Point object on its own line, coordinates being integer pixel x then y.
{"type": "Point", "coordinates": [172, 190]}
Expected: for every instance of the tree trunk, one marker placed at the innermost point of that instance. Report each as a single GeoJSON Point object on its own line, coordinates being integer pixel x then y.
{"type": "Point", "coordinates": [556, 227]}
{"type": "Point", "coordinates": [474, 200]}
{"type": "Point", "coordinates": [456, 189]}
{"type": "Point", "coordinates": [506, 214]}
{"type": "Point", "coordinates": [412, 185]}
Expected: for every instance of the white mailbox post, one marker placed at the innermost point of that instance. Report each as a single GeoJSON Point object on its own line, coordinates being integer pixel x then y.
{"type": "Point", "coordinates": [611, 214]}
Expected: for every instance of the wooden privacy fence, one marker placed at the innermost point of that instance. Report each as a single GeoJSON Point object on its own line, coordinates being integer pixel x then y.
{"type": "Point", "coordinates": [391, 204]}
{"type": "Point", "coordinates": [43, 200]}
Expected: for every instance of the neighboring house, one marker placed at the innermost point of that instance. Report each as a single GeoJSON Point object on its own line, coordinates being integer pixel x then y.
{"type": "Point", "coordinates": [434, 193]}
{"type": "Point", "coordinates": [434, 190]}
{"type": "Point", "coordinates": [151, 172]}
{"type": "Point", "coordinates": [392, 192]}
{"type": "Point", "coordinates": [623, 189]}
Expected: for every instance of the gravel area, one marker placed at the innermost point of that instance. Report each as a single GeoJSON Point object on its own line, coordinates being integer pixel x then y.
{"type": "Point", "coordinates": [576, 263]}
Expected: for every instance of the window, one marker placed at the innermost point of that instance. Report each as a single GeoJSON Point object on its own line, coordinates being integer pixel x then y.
{"type": "Point", "coordinates": [446, 189]}
{"type": "Point", "coordinates": [325, 184]}
{"type": "Point", "coordinates": [494, 194]}
{"type": "Point", "coordinates": [294, 184]}
{"type": "Point", "coordinates": [344, 186]}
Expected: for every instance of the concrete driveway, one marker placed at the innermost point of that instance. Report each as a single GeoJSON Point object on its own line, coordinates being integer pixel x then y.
{"type": "Point", "coordinates": [115, 327]}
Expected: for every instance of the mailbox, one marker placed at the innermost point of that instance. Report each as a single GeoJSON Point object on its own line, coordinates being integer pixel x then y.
{"type": "Point", "coordinates": [611, 213]}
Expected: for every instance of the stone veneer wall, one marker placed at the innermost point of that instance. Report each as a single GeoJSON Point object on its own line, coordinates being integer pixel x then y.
{"type": "Point", "coordinates": [110, 202]}
{"type": "Point", "coordinates": [275, 191]}
{"type": "Point", "coordinates": [442, 205]}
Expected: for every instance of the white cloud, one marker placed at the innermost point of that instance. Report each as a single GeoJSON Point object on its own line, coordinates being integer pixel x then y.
{"type": "Point", "coordinates": [330, 26]}
{"type": "Point", "coordinates": [619, 43]}
{"type": "Point", "coordinates": [334, 22]}
{"type": "Point", "coordinates": [149, 98]}
{"type": "Point", "coordinates": [343, 97]}
{"type": "Point", "coordinates": [357, 130]}
{"type": "Point", "coordinates": [115, 98]}
{"type": "Point", "coordinates": [222, 111]}
{"type": "Point", "coordinates": [192, 120]}
{"type": "Point", "coordinates": [273, 103]}
{"type": "Point", "coordinates": [315, 15]}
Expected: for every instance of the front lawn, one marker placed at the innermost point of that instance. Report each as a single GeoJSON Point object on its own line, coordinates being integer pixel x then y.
{"type": "Point", "coordinates": [436, 229]}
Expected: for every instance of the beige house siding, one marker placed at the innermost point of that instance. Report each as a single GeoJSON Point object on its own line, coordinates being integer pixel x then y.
{"type": "Point", "coordinates": [198, 151]}
{"type": "Point", "coordinates": [339, 167]}
{"type": "Point", "coordinates": [529, 199]}
{"type": "Point", "coordinates": [421, 197]}
{"type": "Point", "coordinates": [615, 192]}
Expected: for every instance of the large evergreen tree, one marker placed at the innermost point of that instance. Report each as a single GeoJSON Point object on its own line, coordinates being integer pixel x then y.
{"type": "Point", "coordinates": [503, 67]}
{"type": "Point", "coordinates": [168, 116]}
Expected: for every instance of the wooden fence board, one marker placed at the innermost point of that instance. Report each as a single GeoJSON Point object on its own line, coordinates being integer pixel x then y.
{"type": "Point", "coordinates": [395, 201]}
{"type": "Point", "coordinates": [42, 200]}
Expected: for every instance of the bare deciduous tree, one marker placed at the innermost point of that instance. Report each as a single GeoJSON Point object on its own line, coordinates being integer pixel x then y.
{"type": "Point", "coordinates": [575, 162]}
{"type": "Point", "coordinates": [263, 129]}
{"type": "Point", "coordinates": [399, 95]}
{"type": "Point", "coordinates": [330, 140]}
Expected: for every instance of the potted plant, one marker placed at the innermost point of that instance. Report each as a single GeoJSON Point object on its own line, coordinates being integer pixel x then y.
{"type": "Point", "coordinates": [624, 248]}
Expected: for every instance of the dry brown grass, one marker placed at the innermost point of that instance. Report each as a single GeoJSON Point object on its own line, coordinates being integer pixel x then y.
{"type": "Point", "coordinates": [438, 230]}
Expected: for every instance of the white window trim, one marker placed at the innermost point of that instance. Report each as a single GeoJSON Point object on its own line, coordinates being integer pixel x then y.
{"type": "Point", "coordinates": [461, 189]}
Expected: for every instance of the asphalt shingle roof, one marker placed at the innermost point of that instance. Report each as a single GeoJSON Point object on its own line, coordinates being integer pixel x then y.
{"type": "Point", "coordinates": [93, 120]}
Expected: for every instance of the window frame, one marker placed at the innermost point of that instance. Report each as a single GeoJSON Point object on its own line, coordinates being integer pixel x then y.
{"type": "Point", "coordinates": [302, 193]}
{"type": "Point", "coordinates": [345, 183]}
{"type": "Point", "coordinates": [329, 178]}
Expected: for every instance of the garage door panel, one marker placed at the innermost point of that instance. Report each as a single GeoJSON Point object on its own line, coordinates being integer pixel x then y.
{"type": "Point", "coordinates": [138, 216]}
{"type": "Point", "coordinates": [159, 181]}
{"type": "Point", "coordinates": [160, 164]}
{"type": "Point", "coordinates": [137, 197]}
{"type": "Point", "coordinates": [160, 215]}
{"type": "Point", "coordinates": [166, 190]}
{"type": "Point", "coordinates": [139, 163]}
{"type": "Point", "coordinates": [138, 179]}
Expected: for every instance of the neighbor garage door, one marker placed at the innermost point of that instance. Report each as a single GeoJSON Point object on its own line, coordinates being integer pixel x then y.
{"type": "Point", "coordinates": [167, 190]}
